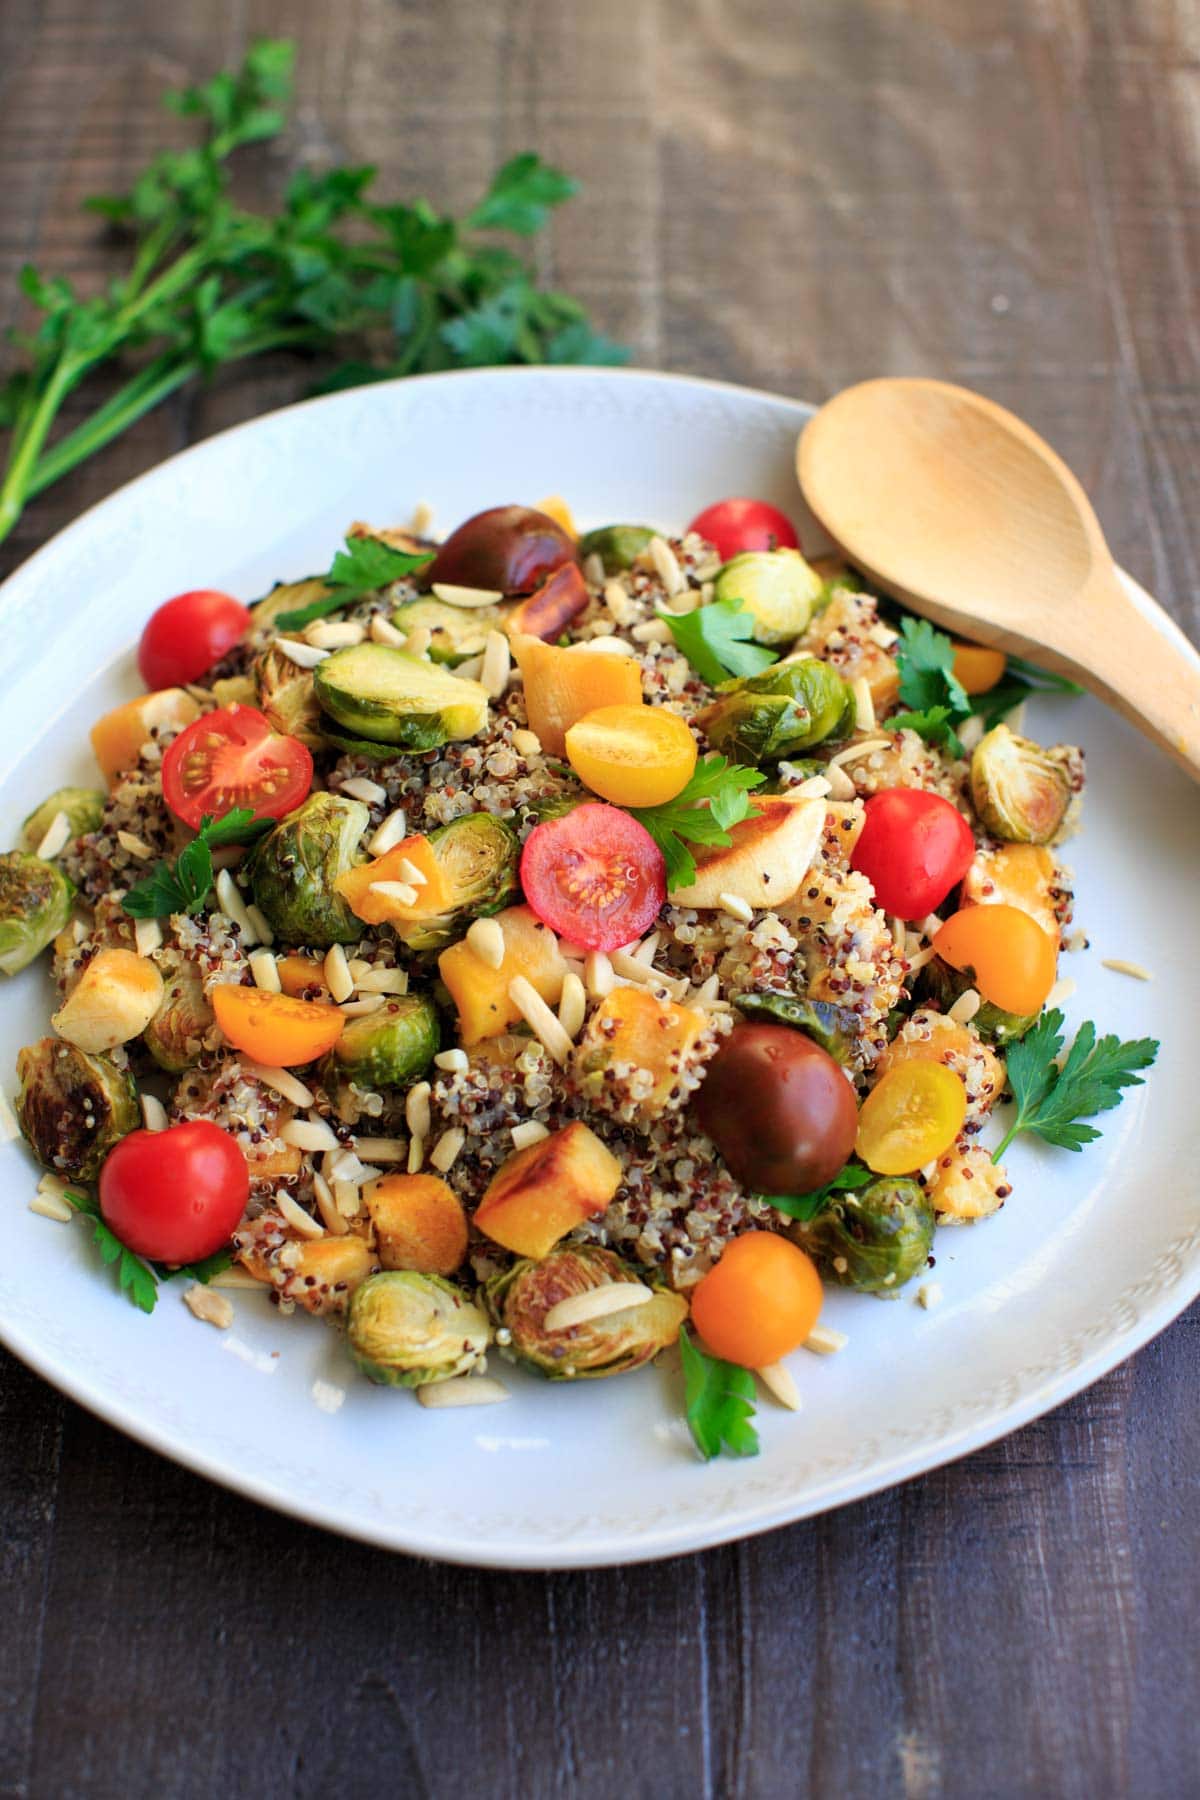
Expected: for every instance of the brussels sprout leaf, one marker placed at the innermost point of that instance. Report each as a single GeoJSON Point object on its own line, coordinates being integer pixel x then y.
{"type": "Point", "coordinates": [1052, 1097]}
{"type": "Point", "coordinates": [134, 1277]}
{"type": "Point", "coordinates": [716, 639]}
{"type": "Point", "coordinates": [807, 1206]}
{"type": "Point", "coordinates": [184, 888]}
{"type": "Point", "coordinates": [366, 563]}
{"type": "Point", "coordinates": [716, 797]}
{"type": "Point", "coordinates": [720, 1402]}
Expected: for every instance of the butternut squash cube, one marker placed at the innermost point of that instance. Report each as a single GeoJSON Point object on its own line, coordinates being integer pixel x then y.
{"type": "Point", "coordinates": [1022, 875]}
{"type": "Point", "coordinates": [113, 1001]}
{"type": "Point", "coordinates": [543, 1192]}
{"type": "Point", "coordinates": [561, 686]}
{"type": "Point", "coordinates": [481, 992]}
{"type": "Point", "coordinates": [120, 734]}
{"type": "Point", "coordinates": [633, 1026]}
{"type": "Point", "coordinates": [419, 1223]}
{"type": "Point", "coordinates": [433, 897]}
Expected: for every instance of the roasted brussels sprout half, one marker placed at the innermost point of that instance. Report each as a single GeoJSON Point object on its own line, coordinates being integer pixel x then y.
{"type": "Point", "coordinates": [73, 1107]}
{"type": "Point", "coordinates": [479, 855]}
{"type": "Point", "coordinates": [384, 694]}
{"type": "Point", "coordinates": [286, 695]}
{"type": "Point", "coordinates": [780, 713]}
{"type": "Point", "coordinates": [1021, 792]}
{"type": "Point", "coordinates": [941, 986]}
{"type": "Point", "coordinates": [176, 1035]}
{"type": "Point", "coordinates": [456, 632]}
{"type": "Point", "coordinates": [293, 868]}
{"type": "Point", "coordinates": [519, 1299]}
{"type": "Point", "coordinates": [617, 546]}
{"type": "Point", "coordinates": [835, 1028]}
{"type": "Point", "coordinates": [84, 808]}
{"type": "Point", "coordinates": [286, 596]}
{"type": "Point", "coordinates": [875, 1239]}
{"type": "Point", "coordinates": [390, 1047]}
{"type": "Point", "coordinates": [35, 904]}
{"type": "Point", "coordinates": [407, 1330]}
{"type": "Point", "coordinates": [776, 587]}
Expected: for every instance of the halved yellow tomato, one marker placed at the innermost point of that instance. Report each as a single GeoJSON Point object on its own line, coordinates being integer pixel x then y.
{"type": "Point", "coordinates": [978, 668]}
{"type": "Point", "coordinates": [1012, 960]}
{"type": "Point", "coordinates": [632, 755]}
{"type": "Point", "coordinates": [910, 1117]}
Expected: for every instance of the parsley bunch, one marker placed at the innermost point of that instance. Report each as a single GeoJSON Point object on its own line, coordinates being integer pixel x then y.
{"type": "Point", "coordinates": [1053, 1096]}
{"type": "Point", "coordinates": [937, 699]}
{"type": "Point", "coordinates": [184, 887]}
{"type": "Point", "coordinates": [716, 797]}
{"type": "Point", "coordinates": [404, 288]}
{"type": "Point", "coordinates": [364, 565]}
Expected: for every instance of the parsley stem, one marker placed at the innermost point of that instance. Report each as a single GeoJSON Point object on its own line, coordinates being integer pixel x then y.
{"type": "Point", "coordinates": [1007, 1139]}
{"type": "Point", "coordinates": [15, 487]}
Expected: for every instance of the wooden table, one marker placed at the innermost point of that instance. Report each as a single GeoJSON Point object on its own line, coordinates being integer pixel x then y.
{"type": "Point", "coordinates": [792, 195]}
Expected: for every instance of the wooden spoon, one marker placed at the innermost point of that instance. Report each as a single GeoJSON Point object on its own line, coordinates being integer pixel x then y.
{"type": "Point", "coordinates": [958, 509]}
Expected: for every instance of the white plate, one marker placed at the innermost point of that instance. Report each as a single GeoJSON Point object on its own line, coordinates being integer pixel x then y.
{"type": "Point", "coordinates": [1092, 1255]}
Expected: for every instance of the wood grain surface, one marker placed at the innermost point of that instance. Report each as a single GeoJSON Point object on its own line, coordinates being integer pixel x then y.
{"type": "Point", "coordinates": [792, 194]}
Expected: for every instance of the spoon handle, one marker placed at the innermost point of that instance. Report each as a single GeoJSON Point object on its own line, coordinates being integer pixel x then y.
{"type": "Point", "coordinates": [1151, 678]}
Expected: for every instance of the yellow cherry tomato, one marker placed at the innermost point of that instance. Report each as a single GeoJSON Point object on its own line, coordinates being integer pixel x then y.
{"type": "Point", "coordinates": [977, 668]}
{"type": "Point", "coordinates": [274, 1029]}
{"type": "Point", "coordinates": [759, 1302]}
{"type": "Point", "coordinates": [911, 1115]}
{"type": "Point", "coordinates": [1011, 959]}
{"type": "Point", "coordinates": [632, 755]}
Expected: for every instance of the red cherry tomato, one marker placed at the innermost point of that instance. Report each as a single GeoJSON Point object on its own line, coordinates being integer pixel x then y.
{"type": "Point", "coordinates": [595, 876]}
{"type": "Point", "coordinates": [914, 847]}
{"type": "Point", "coordinates": [175, 1195]}
{"type": "Point", "coordinates": [187, 635]}
{"type": "Point", "coordinates": [732, 526]}
{"type": "Point", "coordinates": [232, 757]}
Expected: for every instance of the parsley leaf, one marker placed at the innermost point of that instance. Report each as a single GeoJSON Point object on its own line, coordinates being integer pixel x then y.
{"type": "Point", "coordinates": [202, 1271]}
{"type": "Point", "coordinates": [134, 1277]}
{"type": "Point", "coordinates": [807, 1206]}
{"type": "Point", "coordinates": [366, 563]}
{"type": "Point", "coordinates": [934, 725]}
{"type": "Point", "coordinates": [184, 888]}
{"type": "Point", "coordinates": [1051, 1098]}
{"type": "Point", "coordinates": [719, 1398]}
{"type": "Point", "coordinates": [716, 797]}
{"type": "Point", "coordinates": [521, 195]}
{"type": "Point", "coordinates": [716, 641]}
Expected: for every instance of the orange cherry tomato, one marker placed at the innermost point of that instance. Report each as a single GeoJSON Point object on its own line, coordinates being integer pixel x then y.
{"type": "Point", "coordinates": [1011, 959]}
{"type": "Point", "coordinates": [977, 668]}
{"type": "Point", "coordinates": [759, 1302]}
{"type": "Point", "coordinates": [273, 1028]}
{"type": "Point", "coordinates": [632, 755]}
{"type": "Point", "coordinates": [911, 1115]}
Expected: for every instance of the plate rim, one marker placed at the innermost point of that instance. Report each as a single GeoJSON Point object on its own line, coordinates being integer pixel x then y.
{"type": "Point", "coordinates": [691, 1535]}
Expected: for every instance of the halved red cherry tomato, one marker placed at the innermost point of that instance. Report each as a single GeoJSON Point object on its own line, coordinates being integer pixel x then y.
{"type": "Point", "coordinates": [913, 848]}
{"type": "Point", "coordinates": [175, 1195]}
{"type": "Point", "coordinates": [732, 526]}
{"type": "Point", "coordinates": [595, 876]}
{"type": "Point", "coordinates": [232, 757]}
{"type": "Point", "coordinates": [1012, 960]}
{"type": "Point", "coordinates": [187, 635]}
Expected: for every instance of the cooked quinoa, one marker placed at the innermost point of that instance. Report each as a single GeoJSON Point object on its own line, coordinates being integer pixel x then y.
{"type": "Point", "coordinates": [676, 1205]}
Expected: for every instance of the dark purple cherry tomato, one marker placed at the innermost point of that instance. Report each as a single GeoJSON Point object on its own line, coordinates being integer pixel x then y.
{"type": "Point", "coordinates": [779, 1110]}
{"type": "Point", "coordinates": [510, 549]}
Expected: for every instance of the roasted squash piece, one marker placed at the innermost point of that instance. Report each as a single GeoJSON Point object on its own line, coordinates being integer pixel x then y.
{"type": "Point", "coordinates": [433, 895]}
{"type": "Point", "coordinates": [562, 685]}
{"type": "Point", "coordinates": [481, 993]}
{"type": "Point", "coordinates": [653, 1035]}
{"type": "Point", "coordinates": [544, 1191]}
{"type": "Point", "coordinates": [419, 1223]}
{"type": "Point", "coordinates": [119, 735]}
{"type": "Point", "coordinates": [1024, 875]}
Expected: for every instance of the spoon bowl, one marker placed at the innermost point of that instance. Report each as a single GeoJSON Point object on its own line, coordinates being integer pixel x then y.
{"type": "Point", "coordinates": [959, 509]}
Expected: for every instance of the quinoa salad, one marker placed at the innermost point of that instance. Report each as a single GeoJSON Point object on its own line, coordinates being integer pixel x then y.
{"type": "Point", "coordinates": [541, 948]}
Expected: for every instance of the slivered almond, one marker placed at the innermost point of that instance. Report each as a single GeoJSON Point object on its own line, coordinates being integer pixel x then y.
{"type": "Point", "coordinates": [852, 752]}
{"type": "Point", "coordinates": [572, 1006]}
{"type": "Point", "coordinates": [778, 1380]}
{"type": "Point", "coordinates": [444, 1153]}
{"type": "Point", "coordinates": [416, 1109]}
{"type": "Point", "coordinates": [532, 1131]}
{"type": "Point", "coordinates": [55, 838]}
{"type": "Point", "coordinates": [389, 834]}
{"type": "Point", "coordinates": [368, 1003]}
{"type": "Point", "coordinates": [265, 971]}
{"type": "Point", "coordinates": [295, 1216]}
{"type": "Point", "coordinates": [305, 656]}
{"type": "Point", "coordinates": [361, 787]}
{"type": "Point", "coordinates": [666, 565]}
{"type": "Point", "coordinates": [462, 1390]}
{"type": "Point", "coordinates": [334, 634]}
{"type": "Point", "coordinates": [212, 1309]}
{"type": "Point", "coordinates": [825, 1341]}
{"type": "Point", "coordinates": [309, 1134]}
{"type": "Point", "coordinates": [384, 632]}
{"type": "Point", "coordinates": [539, 1018]}
{"type": "Point", "coordinates": [383, 981]}
{"type": "Point", "coordinates": [453, 595]}
{"type": "Point", "coordinates": [1119, 966]}
{"type": "Point", "coordinates": [485, 939]}
{"type": "Point", "coordinates": [596, 1303]}
{"type": "Point", "coordinates": [338, 978]}
{"type": "Point", "coordinates": [280, 1081]}
{"type": "Point", "coordinates": [147, 936]}
{"type": "Point", "coordinates": [154, 1113]}
{"type": "Point", "coordinates": [259, 925]}
{"type": "Point", "coordinates": [402, 892]}
{"type": "Point", "coordinates": [454, 1062]}
{"type": "Point", "coordinates": [965, 1007]}
{"type": "Point", "coordinates": [51, 1206]}
{"type": "Point", "coordinates": [327, 1206]}
{"type": "Point", "coordinates": [135, 845]}
{"type": "Point", "coordinates": [381, 1150]}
